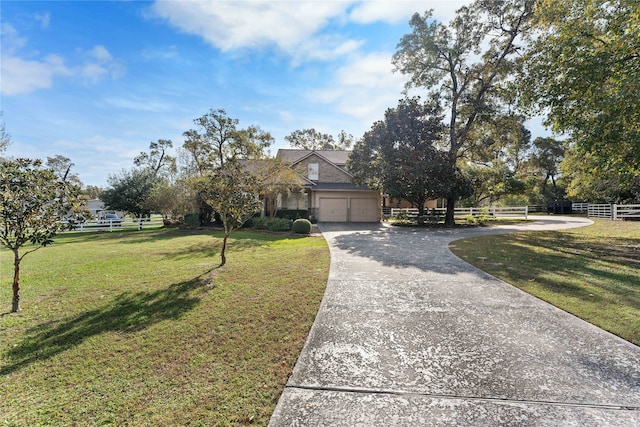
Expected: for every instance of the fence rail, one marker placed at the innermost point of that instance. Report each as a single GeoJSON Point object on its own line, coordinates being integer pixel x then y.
{"type": "Point", "coordinates": [494, 212]}
{"type": "Point", "coordinates": [614, 212]}
{"type": "Point", "coordinates": [113, 225]}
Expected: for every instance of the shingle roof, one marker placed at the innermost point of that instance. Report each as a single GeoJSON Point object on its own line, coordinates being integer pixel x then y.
{"type": "Point", "coordinates": [337, 157]}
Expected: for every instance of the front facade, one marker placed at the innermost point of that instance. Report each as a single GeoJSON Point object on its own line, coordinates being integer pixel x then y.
{"type": "Point", "coordinates": [329, 193]}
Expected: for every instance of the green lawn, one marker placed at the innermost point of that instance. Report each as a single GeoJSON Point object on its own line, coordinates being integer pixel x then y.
{"type": "Point", "coordinates": [591, 272]}
{"type": "Point", "coordinates": [142, 328]}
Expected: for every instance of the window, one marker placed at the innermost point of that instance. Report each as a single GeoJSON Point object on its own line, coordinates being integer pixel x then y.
{"type": "Point", "coordinates": [313, 171]}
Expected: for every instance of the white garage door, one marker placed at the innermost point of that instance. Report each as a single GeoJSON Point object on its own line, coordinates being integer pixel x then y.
{"type": "Point", "coordinates": [364, 210]}
{"type": "Point", "coordinates": [333, 209]}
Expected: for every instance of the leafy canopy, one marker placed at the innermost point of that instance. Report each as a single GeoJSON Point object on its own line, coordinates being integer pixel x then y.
{"type": "Point", "coordinates": [583, 69]}
{"type": "Point", "coordinates": [33, 201]}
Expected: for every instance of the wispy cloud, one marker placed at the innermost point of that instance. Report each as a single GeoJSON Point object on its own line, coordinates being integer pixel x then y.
{"type": "Point", "coordinates": [364, 88]}
{"type": "Point", "coordinates": [22, 74]}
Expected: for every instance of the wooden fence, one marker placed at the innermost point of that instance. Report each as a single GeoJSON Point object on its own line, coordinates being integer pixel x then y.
{"type": "Point", "coordinates": [614, 211]}
{"type": "Point", "coordinates": [155, 221]}
{"type": "Point", "coordinates": [494, 212]}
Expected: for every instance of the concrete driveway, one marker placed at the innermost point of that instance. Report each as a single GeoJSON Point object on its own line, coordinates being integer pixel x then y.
{"type": "Point", "coordinates": [408, 334]}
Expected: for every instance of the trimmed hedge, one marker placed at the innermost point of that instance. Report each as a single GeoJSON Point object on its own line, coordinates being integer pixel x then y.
{"type": "Point", "coordinates": [301, 226]}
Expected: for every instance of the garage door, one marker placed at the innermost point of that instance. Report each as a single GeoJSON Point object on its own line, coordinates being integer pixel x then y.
{"type": "Point", "coordinates": [364, 210]}
{"type": "Point", "coordinates": [333, 210]}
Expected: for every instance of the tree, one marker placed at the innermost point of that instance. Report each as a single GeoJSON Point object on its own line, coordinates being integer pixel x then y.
{"type": "Point", "coordinates": [465, 64]}
{"type": "Point", "coordinates": [130, 192]}
{"type": "Point", "coordinates": [232, 192]}
{"type": "Point", "coordinates": [5, 137]}
{"type": "Point", "coordinates": [587, 181]}
{"type": "Point", "coordinates": [219, 140]}
{"type": "Point", "coordinates": [311, 139]}
{"type": "Point", "coordinates": [62, 165]}
{"type": "Point", "coordinates": [33, 200]}
{"type": "Point", "coordinates": [216, 142]}
{"type": "Point", "coordinates": [546, 157]}
{"type": "Point", "coordinates": [399, 155]}
{"type": "Point", "coordinates": [157, 160]}
{"type": "Point", "coordinates": [583, 70]}
{"type": "Point", "coordinates": [275, 178]}
{"type": "Point", "coordinates": [492, 182]}
{"type": "Point", "coordinates": [93, 191]}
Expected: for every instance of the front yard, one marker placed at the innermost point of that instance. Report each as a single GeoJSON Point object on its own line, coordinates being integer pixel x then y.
{"type": "Point", "coordinates": [142, 328]}
{"type": "Point", "coordinates": [591, 272]}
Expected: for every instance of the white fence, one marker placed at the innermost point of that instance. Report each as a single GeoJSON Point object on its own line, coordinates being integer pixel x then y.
{"type": "Point", "coordinates": [580, 207]}
{"type": "Point", "coordinates": [126, 224]}
{"type": "Point", "coordinates": [614, 212]}
{"type": "Point", "coordinates": [494, 212]}
{"type": "Point", "coordinates": [600, 211]}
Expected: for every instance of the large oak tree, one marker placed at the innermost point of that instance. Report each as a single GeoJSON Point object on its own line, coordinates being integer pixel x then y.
{"type": "Point", "coordinates": [465, 64]}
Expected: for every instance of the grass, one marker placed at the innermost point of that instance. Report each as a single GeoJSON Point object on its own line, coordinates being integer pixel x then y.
{"type": "Point", "coordinates": [591, 272]}
{"type": "Point", "coordinates": [142, 328]}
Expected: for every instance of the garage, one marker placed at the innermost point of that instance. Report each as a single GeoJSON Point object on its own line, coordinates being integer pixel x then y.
{"type": "Point", "coordinates": [333, 209]}
{"type": "Point", "coordinates": [364, 210]}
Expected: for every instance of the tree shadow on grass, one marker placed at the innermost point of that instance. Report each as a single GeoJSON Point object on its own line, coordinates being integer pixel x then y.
{"type": "Point", "coordinates": [127, 312]}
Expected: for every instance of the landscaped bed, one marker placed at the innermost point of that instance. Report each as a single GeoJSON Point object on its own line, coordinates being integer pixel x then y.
{"type": "Point", "coordinates": [592, 272]}
{"type": "Point", "coordinates": [142, 328]}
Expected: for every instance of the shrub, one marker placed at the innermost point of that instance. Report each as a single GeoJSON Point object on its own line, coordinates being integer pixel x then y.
{"type": "Point", "coordinates": [292, 214]}
{"type": "Point", "coordinates": [301, 226]}
{"type": "Point", "coordinates": [192, 220]}
{"type": "Point", "coordinates": [259, 222]}
{"type": "Point", "coordinates": [279, 224]}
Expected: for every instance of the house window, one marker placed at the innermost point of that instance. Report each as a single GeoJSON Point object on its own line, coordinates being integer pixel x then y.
{"type": "Point", "coordinates": [313, 171]}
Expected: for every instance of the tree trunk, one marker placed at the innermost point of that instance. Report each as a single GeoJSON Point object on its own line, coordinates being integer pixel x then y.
{"type": "Point", "coordinates": [223, 257]}
{"type": "Point", "coordinates": [449, 219]}
{"type": "Point", "coordinates": [15, 306]}
{"type": "Point", "coordinates": [421, 213]}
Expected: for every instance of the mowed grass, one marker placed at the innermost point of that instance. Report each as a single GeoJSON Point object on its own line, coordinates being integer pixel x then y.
{"type": "Point", "coordinates": [143, 329]}
{"type": "Point", "coordinates": [592, 272]}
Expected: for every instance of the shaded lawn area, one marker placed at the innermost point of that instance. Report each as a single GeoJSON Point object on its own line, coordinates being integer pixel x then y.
{"type": "Point", "coordinates": [592, 272]}
{"type": "Point", "coordinates": [143, 328]}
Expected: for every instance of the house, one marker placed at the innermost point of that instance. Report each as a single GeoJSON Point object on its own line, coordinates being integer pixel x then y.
{"type": "Point", "coordinates": [328, 189]}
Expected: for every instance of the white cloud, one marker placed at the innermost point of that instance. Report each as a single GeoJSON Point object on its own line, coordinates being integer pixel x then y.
{"type": "Point", "coordinates": [100, 63]}
{"type": "Point", "coordinates": [369, 11]}
{"type": "Point", "coordinates": [364, 88]}
{"type": "Point", "coordinates": [43, 18]}
{"type": "Point", "coordinates": [288, 25]}
{"type": "Point", "coordinates": [11, 40]}
{"type": "Point", "coordinates": [21, 76]}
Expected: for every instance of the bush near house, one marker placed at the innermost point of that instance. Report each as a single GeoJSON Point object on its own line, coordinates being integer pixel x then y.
{"type": "Point", "coordinates": [301, 226]}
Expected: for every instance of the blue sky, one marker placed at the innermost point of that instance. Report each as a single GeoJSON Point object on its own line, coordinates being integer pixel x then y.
{"type": "Point", "coordinates": [96, 81]}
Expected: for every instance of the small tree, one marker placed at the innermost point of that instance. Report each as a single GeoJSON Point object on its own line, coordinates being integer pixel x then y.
{"type": "Point", "coordinates": [130, 192]}
{"type": "Point", "coordinates": [33, 200]}
{"type": "Point", "coordinates": [233, 193]}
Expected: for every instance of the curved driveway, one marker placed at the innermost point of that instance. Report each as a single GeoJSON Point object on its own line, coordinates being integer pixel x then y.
{"type": "Point", "coordinates": [408, 334]}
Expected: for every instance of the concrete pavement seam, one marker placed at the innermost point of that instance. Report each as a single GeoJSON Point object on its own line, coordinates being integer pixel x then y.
{"type": "Point", "coordinates": [462, 397]}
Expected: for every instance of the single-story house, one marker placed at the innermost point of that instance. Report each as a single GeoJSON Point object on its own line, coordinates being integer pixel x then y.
{"type": "Point", "coordinates": [328, 189]}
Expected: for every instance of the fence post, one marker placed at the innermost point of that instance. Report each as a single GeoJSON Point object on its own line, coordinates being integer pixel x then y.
{"type": "Point", "coordinates": [614, 212]}
{"type": "Point", "coordinates": [526, 212]}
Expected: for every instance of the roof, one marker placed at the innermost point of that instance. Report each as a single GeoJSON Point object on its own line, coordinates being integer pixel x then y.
{"type": "Point", "coordinates": [337, 157]}
{"type": "Point", "coordinates": [339, 186]}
